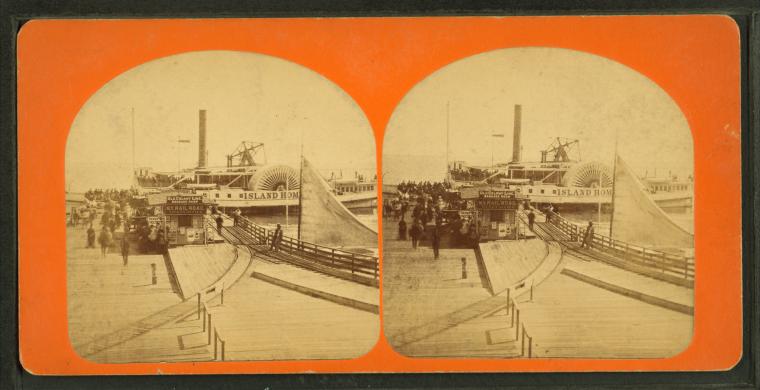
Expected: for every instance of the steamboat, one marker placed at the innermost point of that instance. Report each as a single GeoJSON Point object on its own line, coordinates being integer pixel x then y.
{"type": "Point", "coordinates": [561, 178]}
{"type": "Point", "coordinates": [247, 182]}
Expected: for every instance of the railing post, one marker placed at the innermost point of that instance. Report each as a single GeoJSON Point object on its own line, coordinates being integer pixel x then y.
{"type": "Point", "coordinates": [531, 291]}
{"type": "Point", "coordinates": [517, 331]}
{"type": "Point", "coordinates": [223, 348]}
{"type": "Point", "coordinates": [154, 279]}
{"type": "Point", "coordinates": [199, 305]}
{"type": "Point", "coordinates": [522, 342]}
{"type": "Point", "coordinates": [530, 346]}
{"type": "Point", "coordinates": [215, 343]}
{"type": "Point", "coordinates": [513, 316]}
{"type": "Point", "coordinates": [222, 303]}
{"type": "Point", "coordinates": [509, 291]}
{"type": "Point", "coordinates": [464, 268]}
{"type": "Point", "coordinates": [209, 329]}
{"type": "Point", "coordinates": [204, 319]}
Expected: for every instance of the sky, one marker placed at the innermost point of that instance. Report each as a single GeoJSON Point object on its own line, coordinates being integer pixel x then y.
{"type": "Point", "coordinates": [246, 96]}
{"type": "Point", "coordinates": [563, 93]}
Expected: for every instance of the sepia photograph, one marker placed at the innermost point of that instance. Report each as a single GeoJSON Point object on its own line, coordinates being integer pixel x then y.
{"type": "Point", "coordinates": [221, 206]}
{"type": "Point", "coordinates": [538, 203]}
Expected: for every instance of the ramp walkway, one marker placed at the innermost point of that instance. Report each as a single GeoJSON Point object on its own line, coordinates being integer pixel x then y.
{"type": "Point", "coordinates": [569, 318]}
{"type": "Point", "coordinates": [263, 321]}
{"type": "Point", "coordinates": [199, 266]}
{"type": "Point", "coordinates": [650, 290]}
{"type": "Point", "coordinates": [318, 285]}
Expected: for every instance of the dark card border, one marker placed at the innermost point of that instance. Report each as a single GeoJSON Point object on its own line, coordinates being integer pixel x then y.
{"type": "Point", "coordinates": [14, 13]}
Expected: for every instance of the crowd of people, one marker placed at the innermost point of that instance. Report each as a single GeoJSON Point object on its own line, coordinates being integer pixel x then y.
{"type": "Point", "coordinates": [469, 174]}
{"type": "Point", "coordinates": [113, 195]}
{"type": "Point", "coordinates": [158, 180]}
{"type": "Point", "coordinates": [115, 215]}
{"type": "Point", "coordinates": [426, 210]}
{"type": "Point", "coordinates": [118, 211]}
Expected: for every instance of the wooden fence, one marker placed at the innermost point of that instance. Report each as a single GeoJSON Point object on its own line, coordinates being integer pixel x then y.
{"type": "Point", "coordinates": [356, 263]}
{"type": "Point", "coordinates": [674, 263]}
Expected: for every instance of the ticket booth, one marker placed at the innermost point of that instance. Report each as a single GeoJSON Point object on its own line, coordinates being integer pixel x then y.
{"type": "Point", "coordinates": [495, 212]}
{"type": "Point", "coordinates": [185, 219]}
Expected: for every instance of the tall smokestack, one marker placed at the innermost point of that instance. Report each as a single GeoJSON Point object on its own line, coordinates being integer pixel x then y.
{"type": "Point", "coordinates": [516, 134]}
{"type": "Point", "coordinates": [201, 138]}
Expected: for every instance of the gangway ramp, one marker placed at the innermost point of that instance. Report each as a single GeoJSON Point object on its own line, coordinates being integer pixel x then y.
{"type": "Point", "coordinates": [199, 266]}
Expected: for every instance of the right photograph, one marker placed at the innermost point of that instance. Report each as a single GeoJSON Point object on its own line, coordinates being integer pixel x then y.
{"type": "Point", "coordinates": [538, 203]}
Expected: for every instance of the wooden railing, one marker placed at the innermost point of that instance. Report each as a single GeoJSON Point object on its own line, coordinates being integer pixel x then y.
{"type": "Point", "coordinates": [521, 333]}
{"type": "Point", "coordinates": [209, 326]}
{"type": "Point", "coordinates": [673, 263]}
{"type": "Point", "coordinates": [356, 263]}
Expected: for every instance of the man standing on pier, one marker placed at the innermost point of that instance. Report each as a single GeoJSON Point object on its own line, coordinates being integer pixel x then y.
{"type": "Point", "coordinates": [415, 232]}
{"type": "Point", "coordinates": [276, 237]}
{"type": "Point", "coordinates": [402, 229]}
{"type": "Point", "coordinates": [125, 249]}
{"type": "Point", "coordinates": [588, 235]}
{"type": "Point", "coordinates": [90, 236]}
{"type": "Point", "coordinates": [219, 224]}
{"type": "Point", "coordinates": [531, 219]}
{"type": "Point", "coordinates": [436, 239]}
{"type": "Point", "coordinates": [105, 240]}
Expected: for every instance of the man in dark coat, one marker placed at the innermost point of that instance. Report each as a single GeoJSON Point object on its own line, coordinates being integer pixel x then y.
{"type": "Point", "coordinates": [105, 239]}
{"type": "Point", "coordinates": [161, 243]}
{"type": "Point", "coordinates": [531, 219]}
{"type": "Point", "coordinates": [219, 223]}
{"type": "Point", "coordinates": [415, 232]}
{"type": "Point", "coordinates": [472, 234]}
{"type": "Point", "coordinates": [91, 237]}
{"type": "Point", "coordinates": [125, 249]}
{"type": "Point", "coordinates": [276, 237]}
{"type": "Point", "coordinates": [588, 235]}
{"type": "Point", "coordinates": [402, 229]}
{"type": "Point", "coordinates": [436, 240]}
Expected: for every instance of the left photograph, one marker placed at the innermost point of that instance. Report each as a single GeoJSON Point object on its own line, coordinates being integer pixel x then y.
{"type": "Point", "coordinates": [221, 205]}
